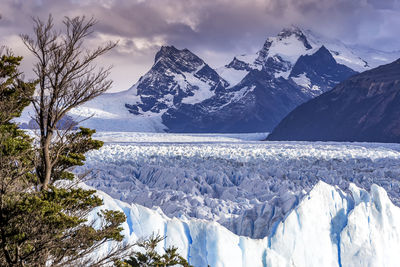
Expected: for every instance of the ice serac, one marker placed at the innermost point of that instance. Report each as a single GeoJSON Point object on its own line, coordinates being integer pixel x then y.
{"type": "Point", "coordinates": [327, 228]}
{"type": "Point", "coordinates": [310, 235]}
{"type": "Point", "coordinates": [365, 107]}
{"type": "Point", "coordinates": [364, 241]}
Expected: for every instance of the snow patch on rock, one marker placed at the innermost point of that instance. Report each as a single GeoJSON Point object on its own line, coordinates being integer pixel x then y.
{"type": "Point", "coordinates": [231, 75]}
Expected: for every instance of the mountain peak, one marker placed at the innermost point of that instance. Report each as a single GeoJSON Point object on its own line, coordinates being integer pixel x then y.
{"type": "Point", "coordinates": [326, 54]}
{"type": "Point", "coordinates": [288, 45]}
{"type": "Point", "coordinates": [168, 49]}
{"type": "Point", "coordinates": [165, 51]}
{"type": "Point", "coordinates": [296, 31]}
{"type": "Point", "coordinates": [171, 52]}
{"type": "Point", "coordinates": [292, 29]}
{"type": "Point", "coordinates": [169, 57]}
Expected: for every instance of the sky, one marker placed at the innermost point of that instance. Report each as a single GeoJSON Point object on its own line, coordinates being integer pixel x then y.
{"type": "Point", "coordinates": [215, 30]}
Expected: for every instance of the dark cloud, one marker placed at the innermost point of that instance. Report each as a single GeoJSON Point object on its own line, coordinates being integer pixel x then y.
{"type": "Point", "coordinates": [214, 29]}
{"type": "Point", "coordinates": [383, 4]}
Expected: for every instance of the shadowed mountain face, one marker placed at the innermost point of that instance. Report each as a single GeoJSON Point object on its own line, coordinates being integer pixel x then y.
{"type": "Point", "coordinates": [365, 108]}
{"type": "Point", "coordinates": [257, 104]}
{"type": "Point", "coordinates": [322, 70]}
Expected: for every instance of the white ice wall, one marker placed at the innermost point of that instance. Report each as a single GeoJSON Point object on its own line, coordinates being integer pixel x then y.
{"type": "Point", "coordinates": [327, 228]}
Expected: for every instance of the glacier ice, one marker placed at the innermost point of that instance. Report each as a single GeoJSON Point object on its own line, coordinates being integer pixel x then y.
{"type": "Point", "coordinates": [246, 186]}
{"type": "Point", "coordinates": [328, 227]}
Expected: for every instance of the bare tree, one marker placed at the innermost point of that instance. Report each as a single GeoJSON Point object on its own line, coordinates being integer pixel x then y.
{"type": "Point", "coordinates": [67, 78]}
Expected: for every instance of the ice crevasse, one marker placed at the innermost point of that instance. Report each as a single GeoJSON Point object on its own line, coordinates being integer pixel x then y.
{"type": "Point", "coordinates": [328, 227]}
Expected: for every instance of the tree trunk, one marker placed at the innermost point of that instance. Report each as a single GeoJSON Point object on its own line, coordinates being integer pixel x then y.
{"type": "Point", "coordinates": [46, 164]}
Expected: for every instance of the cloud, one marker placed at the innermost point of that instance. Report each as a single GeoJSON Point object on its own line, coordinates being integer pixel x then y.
{"type": "Point", "coordinates": [214, 29]}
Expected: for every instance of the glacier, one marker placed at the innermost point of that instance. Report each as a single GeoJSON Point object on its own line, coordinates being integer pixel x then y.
{"type": "Point", "coordinates": [245, 185]}
{"type": "Point", "coordinates": [329, 227]}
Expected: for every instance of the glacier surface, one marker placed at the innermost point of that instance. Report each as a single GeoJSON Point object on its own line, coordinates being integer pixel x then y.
{"type": "Point", "coordinates": [245, 185]}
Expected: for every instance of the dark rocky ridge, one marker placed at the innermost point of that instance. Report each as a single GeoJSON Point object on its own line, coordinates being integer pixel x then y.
{"type": "Point", "coordinates": [365, 108]}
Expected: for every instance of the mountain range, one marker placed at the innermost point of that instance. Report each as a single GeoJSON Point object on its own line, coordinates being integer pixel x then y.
{"type": "Point", "coordinates": [252, 93]}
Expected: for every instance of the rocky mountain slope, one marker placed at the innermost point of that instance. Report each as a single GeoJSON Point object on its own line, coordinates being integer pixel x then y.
{"type": "Point", "coordinates": [366, 108]}
{"type": "Point", "coordinates": [177, 76]}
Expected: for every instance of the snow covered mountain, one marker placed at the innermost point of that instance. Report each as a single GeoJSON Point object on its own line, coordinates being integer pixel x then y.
{"type": "Point", "coordinates": [177, 76]}
{"type": "Point", "coordinates": [287, 55]}
{"type": "Point", "coordinates": [287, 47]}
{"type": "Point", "coordinates": [181, 93]}
{"type": "Point", "coordinates": [274, 85]}
{"type": "Point", "coordinates": [329, 227]}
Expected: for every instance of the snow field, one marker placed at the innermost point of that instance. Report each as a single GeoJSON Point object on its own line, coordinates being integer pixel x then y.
{"type": "Point", "coordinates": [141, 137]}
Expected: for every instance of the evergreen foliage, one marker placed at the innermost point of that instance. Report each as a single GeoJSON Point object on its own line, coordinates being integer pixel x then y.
{"type": "Point", "coordinates": [148, 256]}
{"type": "Point", "coordinates": [16, 153]}
{"type": "Point", "coordinates": [47, 225]}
